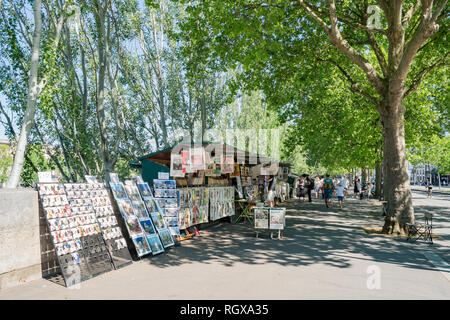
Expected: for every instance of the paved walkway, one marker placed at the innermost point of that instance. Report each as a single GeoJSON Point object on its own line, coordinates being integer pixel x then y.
{"type": "Point", "coordinates": [324, 254]}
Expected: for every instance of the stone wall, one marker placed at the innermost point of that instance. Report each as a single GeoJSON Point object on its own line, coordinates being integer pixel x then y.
{"type": "Point", "coordinates": [20, 245]}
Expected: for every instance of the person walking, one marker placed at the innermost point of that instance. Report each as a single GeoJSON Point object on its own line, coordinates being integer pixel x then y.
{"type": "Point", "coordinates": [301, 189]}
{"type": "Point", "coordinates": [357, 187]}
{"type": "Point", "coordinates": [321, 186]}
{"type": "Point", "coordinates": [429, 188]}
{"type": "Point", "coordinates": [346, 184]}
{"type": "Point", "coordinates": [272, 187]}
{"type": "Point", "coordinates": [328, 188]}
{"type": "Point", "coordinates": [340, 194]}
{"type": "Point", "coordinates": [309, 187]}
{"type": "Point", "coordinates": [317, 186]}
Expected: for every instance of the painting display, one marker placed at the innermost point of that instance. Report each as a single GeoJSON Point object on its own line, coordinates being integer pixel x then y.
{"type": "Point", "coordinates": [261, 217]}
{"type": "Point", "coordinates": [277, 218]}
{"type": "Point", "coordinates": [193, 206]}
{"type": "Point", "coordinates": [221, 202]}
{"type": "Point", "coordinates": [167, 204]}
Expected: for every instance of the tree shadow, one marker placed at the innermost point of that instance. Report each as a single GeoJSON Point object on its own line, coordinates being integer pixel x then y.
{"type": "Point", "coordinates": [313, 235]}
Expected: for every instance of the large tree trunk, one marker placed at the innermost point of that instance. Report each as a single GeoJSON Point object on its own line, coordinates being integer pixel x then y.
{"type": "Point", "coordinates": [397, 191]}
{"type": "Point", "coordinates": [33, 91]}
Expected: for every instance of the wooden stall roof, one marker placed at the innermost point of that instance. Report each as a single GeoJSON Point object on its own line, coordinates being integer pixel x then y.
{"type": "Point", "coordinates": [163, 156]}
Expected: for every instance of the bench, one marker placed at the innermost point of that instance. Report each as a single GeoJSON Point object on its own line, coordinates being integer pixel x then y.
{"type": "Point", "coordinates": [423, 231]}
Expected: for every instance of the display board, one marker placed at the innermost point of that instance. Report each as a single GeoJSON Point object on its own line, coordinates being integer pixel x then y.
{"type": "Point", "coordinates": [156, 216]}
{"type": "Point", "coordinates": [132, 219]}
{"type": "Point", "coordinates": [166, 198]}
{"type": "Point", "coordinates": [81, 199]}
{"type": "Point", "coordinates": [277, 218]}
{"type": "Point", "coordinates": [66, 235]}
{"type": "Point", "coordinates": [221, 202]}
{"type": "Point", "coordinates": [193, 206]}
{"type": "Point", "coordinates": [112, 234]}
{"type": "Point", "coordinates": [261, 217]}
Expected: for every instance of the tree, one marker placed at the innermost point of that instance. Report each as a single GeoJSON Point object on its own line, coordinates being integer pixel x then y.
{"type": "Point", "coordinates": [34, 89]}
{"type": "Point", "coordinates": [378, 63]}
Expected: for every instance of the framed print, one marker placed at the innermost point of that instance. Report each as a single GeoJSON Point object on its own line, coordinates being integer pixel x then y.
{"type": "Point", "coordinates": [176, 167]}
{"type": "Point", "coordinates": [139, 210]}
{"type": "Point", "coordinates": [144, 189]}
{"type": "Point", "coordinates": [118, 191]}
{"type": "Point", "coordinates": [158, 220]}
{"type": "Point", "coordinates": [261, 217]}
{"type": "Point", "coordinates": [186, 161]}
{"type": "Point", "coordinates": [148, 227]}
{"type": "Point", "coordinates": [133, 225]}
{"type": "Point", "coordinates": [155, 244]}
{"type": "Point", "coordinates": [142, 246]}
{"type": "Point", "coordinates": [166, 238]}
{"type": "Point", "coordinates": [277, 219]}
{"type": "Point", "coordinates": [197, 158]}
{"type": "Point", "coordinates": [175, 231]}
{"type": "Point", "coordinates": [125, 207]}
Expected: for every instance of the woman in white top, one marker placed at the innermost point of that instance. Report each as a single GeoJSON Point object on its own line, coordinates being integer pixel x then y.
{"type": "Point", "coordinates": [317, 186]}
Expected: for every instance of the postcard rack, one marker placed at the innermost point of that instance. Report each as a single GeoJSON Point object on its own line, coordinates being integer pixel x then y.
{"type": "Point", "coordinates": [78, 242]}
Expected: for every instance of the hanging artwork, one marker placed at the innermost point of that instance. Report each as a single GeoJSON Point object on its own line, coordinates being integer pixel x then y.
{"type": "Point", "coordinates": [228, 164]}
{"type": "Point", "coordinates": [186, 161]}
{"type": "Point", "coordinates": [176, 166]}
{"type": "Point", "coordinates": [197, 158]}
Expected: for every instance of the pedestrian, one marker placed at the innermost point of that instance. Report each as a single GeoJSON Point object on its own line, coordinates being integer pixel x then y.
{"type": "Point", "coordinates": [369, 190]}
{"type": "Point", "coordinates": [346, 184]}
{"type": "Point", "coordinates": [321, 186]}
{"type": "Point", "coordinates": [357, 187]}
{"type": "Point", "coordinates": [317, 186]}
{"type": "Point", "coordinates": [272, 187]}
{"type": "Point", "coordinates": [340, 194]}
{"type": "Point", "coordinates": [328, 188]}
{"type": "Point", "coordinates": [429, 188]}
{"type": "Point", "coordinates": [309, 187]}
{"type": "Point", "coordinates": [301, 189]}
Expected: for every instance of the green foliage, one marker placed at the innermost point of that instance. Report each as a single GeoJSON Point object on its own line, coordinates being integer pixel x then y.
{"type": "Point", "coordinates": [6, 161]}
{"type": "Point", "coordinates": [35, 153]}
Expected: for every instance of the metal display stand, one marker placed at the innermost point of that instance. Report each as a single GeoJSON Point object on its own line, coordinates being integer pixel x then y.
{"type": "Point", "coordinates": [96, 196]}
{"type": "Point", "coordinates": [74, 264]}
{"type": "Point", "coordinates": [270, 220]}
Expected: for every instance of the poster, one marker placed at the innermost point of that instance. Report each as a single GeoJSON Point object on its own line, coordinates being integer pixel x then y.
{"type": "Point", "coordinates": [148, 227]}
{"type": "Point", "coordinates": [144, 189]}
{"type": "Point", "coordinates": [277, 218]}
{"type": "Point", "coordinates": [197, 158]}
{"type": "Point", "coordinates": [176, 167]}
{"type": "Point", "coordinates": [166, 238]}
{"type": "Point", "coordinates": [239, 188]}
{"type": "Point", "coordinates": [228, 164]}
{"type": "Point", "coordinates": [261, 218]}
{"type": "Point", "coordinates": [186, 162]}
{"type": "Point", "coordinates": [142, 246]}
{"type": "Point", "coordinates": [118, 191]}
{"type": "Point", "coordinates": [133, 225]}
{"type": "Point", "coordinates": [155, 244]}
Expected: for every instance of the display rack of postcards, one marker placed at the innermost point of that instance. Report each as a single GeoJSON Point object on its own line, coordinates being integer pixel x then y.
{"type": "Point", "coordinates": [193, 206]}
{"type": "Point", "coordinates": [139, 236]}
{"type": "Point", "coordinates": [111, 231]}
{"type": "Point", "coordinates": [152, 220]}
{"type": "Point", "coordinates": [166, 198]}
{"type": "Point", "coordinates": [270, 219]}
{"type": "Point", "coordinates": [80, 197]}
{"type": "Point", "coordinates": [221, 202]}
{"type": "Point", "coordinates": [64, 227]}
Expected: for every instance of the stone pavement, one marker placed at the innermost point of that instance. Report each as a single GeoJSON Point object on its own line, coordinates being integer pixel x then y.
{"type": "Point", "coordinates": [324, 254]}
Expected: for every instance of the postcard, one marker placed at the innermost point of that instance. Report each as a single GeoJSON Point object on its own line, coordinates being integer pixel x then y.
{"type": "Point", "coordinates": [142, 246]}
{"type": "Point", "coordinates": [166, 238]}
{"type": "Point", "coordinates": [148, 227]}
{"type": "Point", "coordinates": [155, 244]}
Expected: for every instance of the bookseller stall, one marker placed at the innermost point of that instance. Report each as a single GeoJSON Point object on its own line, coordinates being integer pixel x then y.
{"type": "Point", "coordinates": [210, 179]}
